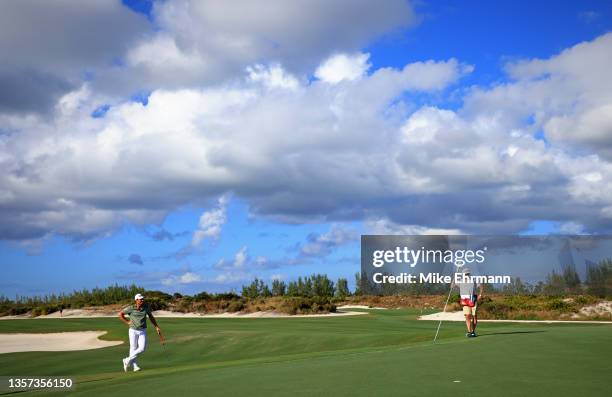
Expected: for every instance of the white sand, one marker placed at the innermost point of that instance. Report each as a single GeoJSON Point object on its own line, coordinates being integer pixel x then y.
{"type": "Point", "coordinates": [598, 309]}
{"type": "Point", "coordinates": [458, 316]}
{"type": "Point", "coordinates": [54, 342]}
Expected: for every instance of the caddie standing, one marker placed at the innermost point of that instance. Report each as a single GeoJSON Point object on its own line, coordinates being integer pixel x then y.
{"type": "Point", "coordinates": [469, 299]}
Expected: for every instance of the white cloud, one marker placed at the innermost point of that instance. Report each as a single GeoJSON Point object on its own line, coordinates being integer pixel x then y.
{"type": "Point", "coordinates": [206, 42]}
{"type": "Point", "coordinates": [292, 33]}
{"type": "Point", "coordinates": [571, 228]}
{"type": "Point", "coordinates": [241, 257]}
{"type": "Point", "coordinates": [322, 152]}
{"type": "Point", "coordinates": [189, 278]}
{"type": "Point", "coordinates": [431, 75]}
{"type": "Point", "coordinates": [342, 67]}
{"type": "Point", "coordinates": [242, 261]}
{"type": "Point", "coordinates": [324, 244]}
{"type": "Point", "coordinates": [272, 77]}
{"type": "Point", "coordinates": [568, 96]}
{"type": "Point", "coordinates": [211, 223]}
{"type": "Point", "coordinates": [197, 144]}
{"type": "Point", "coordinates": [384, 226]}
{"type": "Point", "coordinates": [232, 277]}
{"type": "Point", "coordinates": [592, 128]}
{"type": "Point", "coordinates": [58, 41]}
{"type": "Point", "coordinates": [184, 278]}
{"type": "Point", "coordinates": [161, 55]}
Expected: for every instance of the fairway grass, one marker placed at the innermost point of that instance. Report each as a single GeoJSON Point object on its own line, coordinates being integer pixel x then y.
{"type": "Point", "coordinates": [383, 353]}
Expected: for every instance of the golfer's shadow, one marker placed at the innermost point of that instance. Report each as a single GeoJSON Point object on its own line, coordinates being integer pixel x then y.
{"type": "Point", "coordinates": [509, 333]}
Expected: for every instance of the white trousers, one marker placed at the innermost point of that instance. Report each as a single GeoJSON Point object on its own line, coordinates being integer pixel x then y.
{"type": "Point", "coordinates": [138, 344]}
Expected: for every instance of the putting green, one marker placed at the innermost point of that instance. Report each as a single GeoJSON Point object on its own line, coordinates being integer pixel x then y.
{"type": "Point", "coordinates": [384, 353]}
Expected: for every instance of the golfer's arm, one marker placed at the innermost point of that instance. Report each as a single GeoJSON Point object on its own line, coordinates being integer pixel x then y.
{"type": "Point", "coordinates": [123, 319]}
{"type": "Point", "coordinates": [153, 320]}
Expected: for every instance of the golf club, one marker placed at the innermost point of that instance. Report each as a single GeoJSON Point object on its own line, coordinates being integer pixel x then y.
{"type": "Point", "coordinates": [443, 311]}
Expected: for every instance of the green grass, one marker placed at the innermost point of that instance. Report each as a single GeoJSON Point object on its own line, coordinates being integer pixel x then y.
{"type": "Point", "coordinates": [383, 353]}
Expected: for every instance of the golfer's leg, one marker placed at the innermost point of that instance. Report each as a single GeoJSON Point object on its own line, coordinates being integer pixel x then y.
{"type": "Point", "coordinates": [134, 354]}
{"type": "Point", "coordinates": [133, 335]}
{"type": "Point", "coordinates": [468, 322]}
{"type": "Point", "coordinates": [142, 341]}
{"type": "Point", "coordinates": [475, 321]}
{"type": "Point", "coordinates": [142, 344]}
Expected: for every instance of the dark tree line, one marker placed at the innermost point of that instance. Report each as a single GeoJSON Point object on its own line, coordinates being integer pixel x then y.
{"type": "Point", "coordinates": [598, 283]}
{"type": "Point", "coordinates": [74, 300]}
{"type": "Point", "coordinates": [310, 286]}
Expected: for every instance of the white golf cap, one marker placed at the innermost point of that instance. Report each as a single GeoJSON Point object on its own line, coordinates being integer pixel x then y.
{"type": "Point", "coordinates": [138, 296]}
{"type": "Point", "coordinates": [466, 271]}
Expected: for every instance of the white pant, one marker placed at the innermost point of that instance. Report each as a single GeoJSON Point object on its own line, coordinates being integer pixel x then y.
{"type": "Point", "coordinates": [138, 344]}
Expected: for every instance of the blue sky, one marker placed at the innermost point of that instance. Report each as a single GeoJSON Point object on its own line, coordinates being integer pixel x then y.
{"type": "Point", "coordinates": [195, 151]}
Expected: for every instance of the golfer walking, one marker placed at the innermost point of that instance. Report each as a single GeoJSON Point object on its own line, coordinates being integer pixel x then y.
{"type": "Point", "coordinates": [469, 299]}
{"type": "Point", "coordinates": [138, 329]}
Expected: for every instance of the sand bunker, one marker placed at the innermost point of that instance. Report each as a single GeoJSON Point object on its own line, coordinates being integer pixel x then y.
{"type": "Point", "coordinates": [54, 342]}
{"type": "Point", "coordinates": [458, 316]}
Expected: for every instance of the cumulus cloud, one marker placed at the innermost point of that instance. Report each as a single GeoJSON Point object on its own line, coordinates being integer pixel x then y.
{"type": "Point", "coordinates": [270, 147]}
{"type": "Point", "coordinates": [568, 96]}
{"type": "Point", "coordinates": [183, 278]}
{"type": "Point", "coordinates": [272, 77]}
{"type": "Point", "coordinates": [204, 42]}
{"type": "Point", "coordinates": [321, 245]}
{"type": "Point", "coordinates": [309, 151]}
{"type": "Point", "coordinates": [384, 226]}
{"type": "Point", "coordinates": [591, 128]}
{"type": "Point", "coordinates": [185, 43]}
{"type": "Point", "coordinates": [343, 67]}
{"type": "Point", "coordinates": [232, 277]}
{"type": "Point", "coordinates": [41, 62]}
{"type": "Point", "coordinates": [242, 261]}
{"type": "Point", "coordinates": [210, 223]}
{"type": "Point", "coordinates": [571, 228]}
{"type": "Point", "coordinates": [243, 267]}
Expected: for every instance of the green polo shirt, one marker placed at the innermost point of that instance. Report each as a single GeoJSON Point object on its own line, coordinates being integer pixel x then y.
{"type": "Point", "coordinates": [138, 317]}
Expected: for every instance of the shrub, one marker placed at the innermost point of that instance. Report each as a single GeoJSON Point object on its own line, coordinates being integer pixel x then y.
{"type": "Point", "coordinates": [342, 290]}
{"type": "Point", "coordinates": [235, 306]}
{"type": "Point", "coordinates": [202, 296]}
{"type": "Point", "coordinates": [301, 305]}
{"type": "Point", "coordinates": [560, 305]}
{"type": "Point", "coordinates": [157, 303]}
{"type": "Point", "coordinates": [226, 296]}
